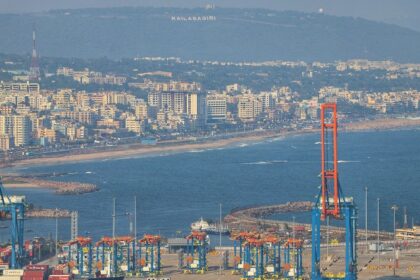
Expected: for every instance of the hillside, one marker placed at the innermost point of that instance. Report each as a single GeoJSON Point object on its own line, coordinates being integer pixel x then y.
{"type": "Point", "coordinates": [230, 34]}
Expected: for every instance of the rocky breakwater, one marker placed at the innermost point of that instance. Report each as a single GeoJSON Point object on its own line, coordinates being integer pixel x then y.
{"type": "Point", "coordinates": [250, 217]}
{"type": "Point", "coordinates": [257, 218]}
{"type": "Point", "coordinates": [60, 187]}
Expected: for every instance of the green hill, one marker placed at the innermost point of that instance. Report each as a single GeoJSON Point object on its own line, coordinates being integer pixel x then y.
{"type": "Point", "coordinates": [230, 34]}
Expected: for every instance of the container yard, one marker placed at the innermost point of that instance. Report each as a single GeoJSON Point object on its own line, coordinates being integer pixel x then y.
{"type": "Point", "coordinates": [260, 248]}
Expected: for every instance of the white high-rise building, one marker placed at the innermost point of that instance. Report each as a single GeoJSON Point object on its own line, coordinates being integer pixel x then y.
{"type": "Point", "coordinates": [21, 130]}
{"type": "Point", "coordinates": [6, 125]}
{"type": "Point", "coordinates": [216, 108]}
{"type": "Point", "coordinates": [141, 110]}
{"type": "Point", "coordinates": [249, 107]}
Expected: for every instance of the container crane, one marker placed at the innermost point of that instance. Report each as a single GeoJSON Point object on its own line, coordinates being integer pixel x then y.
{"type": "Point", "coordinates": [83, 247]}
{"type": "Point", "coordinates": [15, 207]}
{"type": "Point", "coordinates": [293, 269]}
{"type": "Point", "coordinates": [197, 241]}
{"type": "Point", "coordinates": [238, 252]}
{"type": "Point", "coordinates": [151, 264]}
{"type": "Point", "coordinates": [331, 202]}
{"type": "Point", "coordinates": [253, 267]}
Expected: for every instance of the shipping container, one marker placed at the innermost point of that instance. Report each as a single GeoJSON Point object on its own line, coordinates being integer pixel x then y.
{"type": "Point", "coordinates": [34, 275]}
{"type": "Point", "coordinates": [59, 277]}
{"type": "Point", "coordinates": [43, 267]}
{"type": "Point", "coordinates": [56, 271]}
{"type": "Point", "coordinates": [13, 272]}
{"type": "Point", "coordinates": [32, 278]}
{"type": "Point", "coordinates": [10, 277]}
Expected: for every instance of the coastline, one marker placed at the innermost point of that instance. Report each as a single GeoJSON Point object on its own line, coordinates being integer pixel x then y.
{"type": "Point", "coordinates": [133, 151]}
{"type": "Point", "coordinates": [381, 124]}
{"type": "Point", "coordinates": [255, 136]}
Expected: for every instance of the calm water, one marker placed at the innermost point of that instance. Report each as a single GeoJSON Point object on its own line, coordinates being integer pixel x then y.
{"type": "Point", "coordinates": [174, 190]}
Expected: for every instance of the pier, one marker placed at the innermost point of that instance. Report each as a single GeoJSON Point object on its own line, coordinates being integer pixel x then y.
{"type": "Point", "coordinates": [60, 187]}
{"type": "Point", "coordinates": [48, 213]}
{"type": "Point", "coordinates": [257, 217]}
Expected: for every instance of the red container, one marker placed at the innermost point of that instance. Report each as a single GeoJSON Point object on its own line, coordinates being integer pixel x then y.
{"type": "Point", "coordinates": [300, 228]}
{"type": "Point", "coordinates": [32, 278]}
{"type": "Point", "coordinates": [34, 273]}
{"type": "Point", "coordinates": [43, 267]}
{"type": "Point", "coordinates": [59, 277]}
{"type": "Point", "coordinates": [56, 271]}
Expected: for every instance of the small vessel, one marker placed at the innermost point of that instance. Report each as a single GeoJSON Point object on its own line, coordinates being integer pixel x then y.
{"type": "Point", "coordinates": [209, 228]}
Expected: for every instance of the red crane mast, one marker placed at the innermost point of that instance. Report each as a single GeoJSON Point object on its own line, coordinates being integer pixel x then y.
{"type": "Point", "coordinates": [330, 189]}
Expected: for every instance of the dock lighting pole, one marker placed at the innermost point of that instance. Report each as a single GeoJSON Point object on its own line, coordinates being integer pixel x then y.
{"type": "Point", "coordinates": [56, 233]}
{"type": "Point", "coordinates": [220, 225]}
{"type": "Point", "coordinates": [293, 229]}
{"type": "Point", "coordinates": [220, 238]}
{"type": "Point", "coordinates": [394, 208]}
{"type": "Point", "coordinates": [377, 246]}
{"type": "Point", "coordinates": [366, 219]}
{"type": "Point", "coordinates": [113, 234]}
{"type": "Point", "coordinates": [328, 236]}
{"type": "Point", "coordinates": [135, 218]}
{"type": "Point", "coordinates": [113, 219]}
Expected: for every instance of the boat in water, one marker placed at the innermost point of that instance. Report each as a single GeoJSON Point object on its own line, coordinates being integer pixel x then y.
{"type": "Point", "coordinates": [210, 228]}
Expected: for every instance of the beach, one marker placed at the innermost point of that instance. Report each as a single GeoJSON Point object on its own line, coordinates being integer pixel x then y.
{"type": "Point", "coordinates": [382, 124]}
{"type": "Point", "coordinates": [139, 150]}
{"type": "Point", "coordinates": [174, 147]}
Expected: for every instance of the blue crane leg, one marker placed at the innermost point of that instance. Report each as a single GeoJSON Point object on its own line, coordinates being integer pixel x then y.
{"type": "Point", "coordinates": [13, 229]}
{"type": "Point", "coordinates": [316, 244]}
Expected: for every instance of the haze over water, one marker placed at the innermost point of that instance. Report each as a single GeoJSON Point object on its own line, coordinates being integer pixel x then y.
{"type": "Point", "coordinates": [176, 189]}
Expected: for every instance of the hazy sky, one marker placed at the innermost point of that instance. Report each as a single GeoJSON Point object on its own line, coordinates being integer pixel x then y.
{"type": "Point", "coordinates": [403, 12]}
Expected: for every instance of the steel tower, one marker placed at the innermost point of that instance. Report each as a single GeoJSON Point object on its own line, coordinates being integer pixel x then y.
{"type": "Point", "coordinates": [34, 71]}
{"type": "Point", "coordinates": [331, 201]}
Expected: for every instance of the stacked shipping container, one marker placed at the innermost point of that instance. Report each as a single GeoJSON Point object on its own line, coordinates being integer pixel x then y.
{"type": "Point", "coordinates": [35, 272]}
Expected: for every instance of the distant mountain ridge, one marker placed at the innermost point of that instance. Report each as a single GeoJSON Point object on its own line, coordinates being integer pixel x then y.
{"type": "Point", "coordinates": [213, 34]}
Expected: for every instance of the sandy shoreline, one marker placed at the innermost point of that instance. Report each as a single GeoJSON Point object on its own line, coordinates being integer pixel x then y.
{"type": "Point", "coordinates": [147, 150]}
{"type": "Point", "coordinates": [380, 124]}
{"type": "Point", "coordinates": [20, 186]}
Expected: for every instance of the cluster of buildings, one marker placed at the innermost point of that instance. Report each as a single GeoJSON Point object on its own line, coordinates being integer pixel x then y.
{"type": "Point", "coordinates": [383, 102]}
{"type": "Point", "coordinates": [86, 76]}
{"type": "Point", "coordinates": [31, 116]}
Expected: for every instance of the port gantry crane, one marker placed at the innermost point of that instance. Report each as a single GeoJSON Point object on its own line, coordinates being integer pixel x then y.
{"type": "Point", "coordinates": [293, 269]}
{"type": "Point", "coordinates": [253, 267]}
{"type": "Point", "coordinates": [331, 201]}
{"type": "Point", "coordinates": [15, 207]}
{"type": "Point", "coordinates": [273, 256]}
{"type": "Point", "coordinates": [83, 246]}
{"type": "Point", "coordinates": [116, 247]}
{"type": "Point", "coordinates": [150, 264]}
{"type": "Point", "coordinates": [196, 241]}
{"type": "Point", "coordinates": [238, 252]}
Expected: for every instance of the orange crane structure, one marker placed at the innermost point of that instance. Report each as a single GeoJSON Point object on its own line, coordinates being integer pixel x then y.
{"type": "Point", "coordinates": [117, 247]}
{"type": "Point", "coordinates": [83, 246]}
{"type": "Point", "coordinates": [150, 264]}
{"type": "Point", "coordinates": [331, 202]}
{"type": "Point", "coordinates": [293, 269]}
{"type": "Point", "coordinates": [196, 242]}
